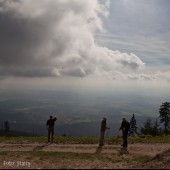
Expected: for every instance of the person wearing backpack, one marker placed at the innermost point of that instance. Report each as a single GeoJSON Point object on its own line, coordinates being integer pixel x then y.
{"type": "Point", "coordinates": [125, 126]}
{"type": "Point", "coordinates": [50, 127]}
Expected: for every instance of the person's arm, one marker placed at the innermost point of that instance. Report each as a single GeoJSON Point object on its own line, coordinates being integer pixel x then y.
{"type": "Point", "coordinates": [55, 118]}
{"type": "Point", "coordinates": [106, 127]}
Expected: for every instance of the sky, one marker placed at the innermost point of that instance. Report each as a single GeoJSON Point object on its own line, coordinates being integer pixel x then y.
{"type": "Point", "coordinates": [118, 44]}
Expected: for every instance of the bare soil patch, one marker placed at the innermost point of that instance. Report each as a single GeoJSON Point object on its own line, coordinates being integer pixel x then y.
{"type": "Point", "coordinates": [83, 156]}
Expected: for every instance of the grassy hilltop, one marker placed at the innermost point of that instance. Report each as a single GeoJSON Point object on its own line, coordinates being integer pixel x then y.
{"type": "Point", "coordinates": [83, 153]}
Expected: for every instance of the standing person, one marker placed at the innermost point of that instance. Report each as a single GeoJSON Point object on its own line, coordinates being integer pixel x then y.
{"type": "Point", "coordinates": [50, 127]}
{"type": "Point", "coordinates": [102, 131]}
{"type": "Point", "coordinates": [125, 126]}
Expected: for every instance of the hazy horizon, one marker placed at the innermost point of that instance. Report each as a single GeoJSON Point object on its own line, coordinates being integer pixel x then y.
{"type": "Point", "coordinates": [29, 109]}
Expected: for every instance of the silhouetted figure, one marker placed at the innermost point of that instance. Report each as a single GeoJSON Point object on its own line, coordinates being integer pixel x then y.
{"type": "Point", "coordinates": [103, 128]}
{"type": "Point", "coordinates": [50, 127]}
{"type": "Point", "coordinates": [125, 126]}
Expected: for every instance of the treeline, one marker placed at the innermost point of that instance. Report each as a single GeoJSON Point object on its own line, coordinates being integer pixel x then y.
{"type": "Point", "coordinates": [161, 126]}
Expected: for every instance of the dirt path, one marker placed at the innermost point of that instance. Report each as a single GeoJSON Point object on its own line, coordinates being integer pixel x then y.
{"type": "Point", "coordinates": [87, 156]}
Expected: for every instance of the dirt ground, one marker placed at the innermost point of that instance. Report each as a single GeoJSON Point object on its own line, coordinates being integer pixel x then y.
{"type": "Point", "coordinates": [83, 156]}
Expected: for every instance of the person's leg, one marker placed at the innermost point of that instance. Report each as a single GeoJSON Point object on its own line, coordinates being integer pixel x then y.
{"type": "Point", "coordinates": [48, 134]}
{"type": "Point", "coordinates": [52, 134]}
{"type": "Point", "coordinates": [102, 133]}
{"type": "Point", "coordinates": [124, 139]}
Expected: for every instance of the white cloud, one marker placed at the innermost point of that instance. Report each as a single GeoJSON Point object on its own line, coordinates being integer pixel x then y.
{"type": "Point", "coordinates": [57, 38]}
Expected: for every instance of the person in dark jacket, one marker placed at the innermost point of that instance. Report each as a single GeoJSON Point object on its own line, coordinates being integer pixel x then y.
{"type": "Point", "coordinates": [50, 127]}
{"type": "Point", "coordinates": [125, 126]}
{"type": "Point", "coordinates": [103, 128]}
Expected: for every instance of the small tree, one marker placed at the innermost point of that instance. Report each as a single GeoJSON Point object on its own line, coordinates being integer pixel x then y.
{"type": "Point", "coordinates": [164, 116]}
{"type": "Point", "coordinates": [155, 130]}
{"type": "Point", "coordinates": [133, 127]}
{"type": "Point", "coordinates": [147, 129]}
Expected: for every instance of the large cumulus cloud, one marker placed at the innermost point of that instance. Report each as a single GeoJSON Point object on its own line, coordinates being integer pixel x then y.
{"type": "Point", "coordinates": [46, 38]}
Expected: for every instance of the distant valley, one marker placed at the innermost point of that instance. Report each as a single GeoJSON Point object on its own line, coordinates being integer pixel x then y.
{"type": "Point", "coordinates": [78, 113]}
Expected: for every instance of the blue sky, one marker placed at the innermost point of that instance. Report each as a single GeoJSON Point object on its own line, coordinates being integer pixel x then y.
{"type": "Point", "coordinates": [118, 43]}
{"type": "Point", "coordinates": [141, 27]}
